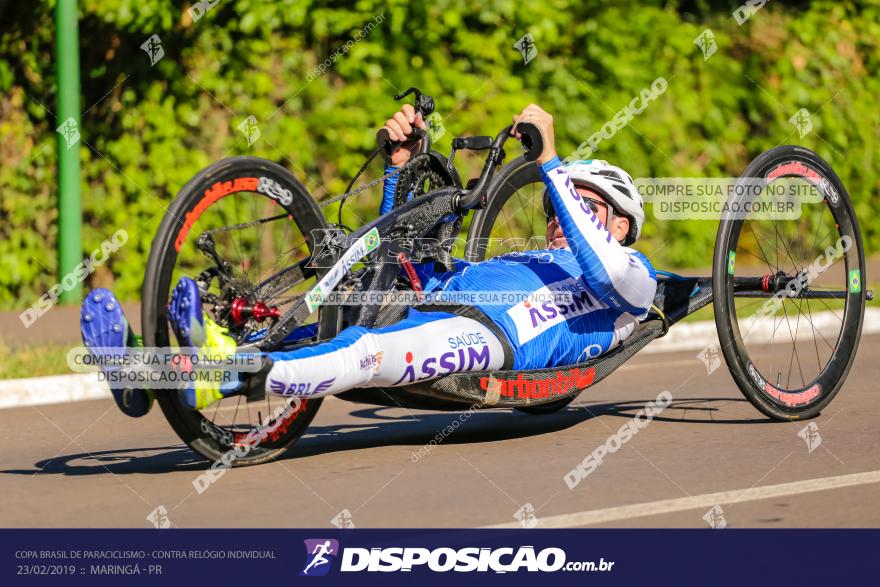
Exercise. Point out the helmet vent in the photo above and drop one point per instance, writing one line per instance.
(610, 173)
(623, 191)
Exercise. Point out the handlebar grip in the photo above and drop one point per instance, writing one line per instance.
(383, 140)
(532, 140)
(476, 143)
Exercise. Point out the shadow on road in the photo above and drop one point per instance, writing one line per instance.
(415, 429)
(160, 459)
(694, 411)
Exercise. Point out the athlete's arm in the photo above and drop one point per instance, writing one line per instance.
(620, 277)
(399, 128)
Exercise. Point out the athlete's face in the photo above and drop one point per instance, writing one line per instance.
(619, 224)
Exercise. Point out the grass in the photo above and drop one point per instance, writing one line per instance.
(33, 360)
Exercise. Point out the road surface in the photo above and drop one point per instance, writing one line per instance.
(86, 465)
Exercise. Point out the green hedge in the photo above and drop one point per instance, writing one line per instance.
(154, 127)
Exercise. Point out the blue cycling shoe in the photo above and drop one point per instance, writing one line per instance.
(103, 326)
(186, 315)
(195, 329)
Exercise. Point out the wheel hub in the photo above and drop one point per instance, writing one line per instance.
(241, 310)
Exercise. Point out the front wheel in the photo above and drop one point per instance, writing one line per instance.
(513, 219)
(787, 277)
(260, 221)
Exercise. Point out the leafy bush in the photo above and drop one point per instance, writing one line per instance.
(147, 130)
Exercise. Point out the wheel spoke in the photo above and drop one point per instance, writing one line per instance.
(815, 335)
(792, 247)
(793, 349)
(760, 248)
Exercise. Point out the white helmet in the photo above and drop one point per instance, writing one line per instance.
(616, 186)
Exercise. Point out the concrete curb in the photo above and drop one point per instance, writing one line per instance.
(690, 336)
(55, 389)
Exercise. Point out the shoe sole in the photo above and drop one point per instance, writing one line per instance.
(103, 325)
(184, 311)
(184, 314)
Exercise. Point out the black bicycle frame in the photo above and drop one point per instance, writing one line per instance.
(422, 217)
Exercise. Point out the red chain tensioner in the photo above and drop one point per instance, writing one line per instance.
(414, 280)
(241, 311)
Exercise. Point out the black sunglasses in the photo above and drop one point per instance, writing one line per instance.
(594, 205)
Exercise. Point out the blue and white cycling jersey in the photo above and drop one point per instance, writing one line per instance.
(611, 287)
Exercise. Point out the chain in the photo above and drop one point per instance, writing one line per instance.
(322, 204)
(244, 225)
(364, 187)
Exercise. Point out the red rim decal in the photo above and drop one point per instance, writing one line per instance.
(274, 431)
(795, 168)
(814, 177)
(212, 194)
(786, 398)
(794, 399)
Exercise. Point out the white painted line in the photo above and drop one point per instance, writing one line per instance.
(709, 500)
(56, 389)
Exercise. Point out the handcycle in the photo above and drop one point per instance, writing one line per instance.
(266, 260)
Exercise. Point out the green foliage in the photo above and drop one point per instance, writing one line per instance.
(149, 129)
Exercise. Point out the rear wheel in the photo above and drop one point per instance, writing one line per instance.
(259, 219)
(789, 300)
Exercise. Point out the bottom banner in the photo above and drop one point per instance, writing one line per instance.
(509, 557)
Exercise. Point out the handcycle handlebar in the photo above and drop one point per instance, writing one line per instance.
(425, 106)
(532, 141)
(383, 140)
(530, 135)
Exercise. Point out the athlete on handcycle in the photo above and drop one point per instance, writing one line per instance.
(594, 213)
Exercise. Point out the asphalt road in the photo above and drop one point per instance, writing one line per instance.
(85, 465)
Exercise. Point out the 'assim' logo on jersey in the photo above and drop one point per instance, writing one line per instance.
(462, 359)
(532, 316)
(299, 389)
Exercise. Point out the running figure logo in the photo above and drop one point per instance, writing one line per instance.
(320, 552)
(250, 129)
(70, 131)
(154, 50)
(802, 121)
(526, 46)
(706, 42)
